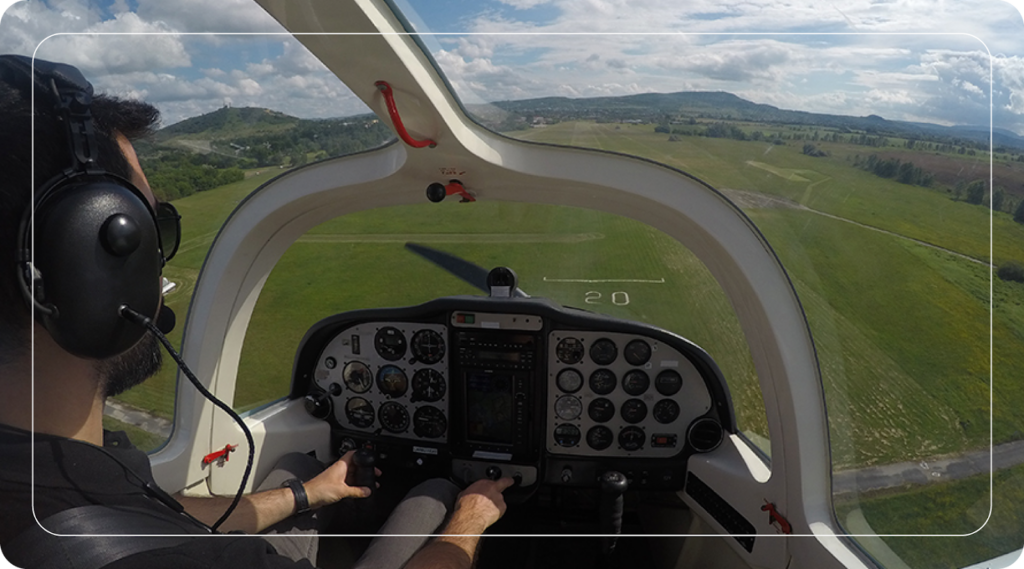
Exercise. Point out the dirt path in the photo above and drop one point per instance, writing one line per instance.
(755, 200)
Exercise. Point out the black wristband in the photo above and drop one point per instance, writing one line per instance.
(301, 500)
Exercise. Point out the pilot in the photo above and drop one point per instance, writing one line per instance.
(84, 479)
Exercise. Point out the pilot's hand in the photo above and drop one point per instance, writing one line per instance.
(333, 484)
(483, 500)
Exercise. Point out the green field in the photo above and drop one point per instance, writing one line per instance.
(958, 512)
(901, 328)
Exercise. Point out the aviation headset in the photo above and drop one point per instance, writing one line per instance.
(99, 245)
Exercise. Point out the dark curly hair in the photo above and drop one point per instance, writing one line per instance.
(111, 116)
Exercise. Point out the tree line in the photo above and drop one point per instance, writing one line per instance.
(174, 173)
(896, 169)
(291, 147)
(178, 174)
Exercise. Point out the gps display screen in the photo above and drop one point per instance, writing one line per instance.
(489, 407)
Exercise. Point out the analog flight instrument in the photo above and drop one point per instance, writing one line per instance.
(568, 407)
(357, 377)
(567, 435)
(603, 352)
(391, 380)
(603, 381)
(635, 382)
(390, 343)
(359, 412)
(428, 385)
(631, 439)
(665, 411)
(668, 382)
(569, 351)
(427, 346)
(601, 410)
(600, 437)
(634, 411)
(429, 422)
(637, 352)
(569, 380)
(394, 417)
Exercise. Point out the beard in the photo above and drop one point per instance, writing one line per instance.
(123, 372)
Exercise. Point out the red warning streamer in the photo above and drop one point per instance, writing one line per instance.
(774, 517)
(224, 453)
(389, 98)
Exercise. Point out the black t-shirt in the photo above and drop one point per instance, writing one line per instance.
(70, 473)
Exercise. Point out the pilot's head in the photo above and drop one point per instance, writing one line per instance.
(95, 236)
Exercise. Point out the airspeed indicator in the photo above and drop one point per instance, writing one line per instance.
(357, 377)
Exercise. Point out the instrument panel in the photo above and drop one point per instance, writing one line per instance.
(475, 386)
(389, 377)
(615, 394)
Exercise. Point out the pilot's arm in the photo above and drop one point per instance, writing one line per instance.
(260, 510)
(478, 507)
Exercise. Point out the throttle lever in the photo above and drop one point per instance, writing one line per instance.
(365, 472)
(613, 486)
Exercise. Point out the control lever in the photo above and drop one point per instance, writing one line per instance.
(613, 486)
(492, 472)
(365, 464)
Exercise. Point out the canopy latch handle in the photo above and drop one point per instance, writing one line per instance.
(389, 98)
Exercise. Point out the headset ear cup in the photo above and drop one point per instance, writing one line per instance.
(87, 281)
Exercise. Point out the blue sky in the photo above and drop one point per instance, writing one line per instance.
(920, 60)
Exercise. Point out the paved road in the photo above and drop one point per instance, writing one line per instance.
(138, 418)
(928, 471)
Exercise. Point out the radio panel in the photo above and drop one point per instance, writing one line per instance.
(496, 372)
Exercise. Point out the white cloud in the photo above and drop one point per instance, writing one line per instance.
(524, 4)
(944, 76)
(1016, 104)
(26, 24)
(122, 45)
(721, 63)
(209, 15)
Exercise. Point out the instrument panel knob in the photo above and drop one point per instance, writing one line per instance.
(567, 475)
